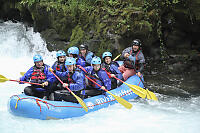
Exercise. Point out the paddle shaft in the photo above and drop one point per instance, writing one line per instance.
(60, 81)
(119, 99)
(25, 82)
(95, 82)
(117, 57)
(90, 78)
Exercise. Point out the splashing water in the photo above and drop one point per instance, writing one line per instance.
(17, 46)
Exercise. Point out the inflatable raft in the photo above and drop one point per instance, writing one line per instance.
(33, 107)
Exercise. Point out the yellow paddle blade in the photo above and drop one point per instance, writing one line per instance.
(137, 90)
(151, 95)
(123, 102)
(117, 57)
(3, 79)
(22, 73)
(80, 101)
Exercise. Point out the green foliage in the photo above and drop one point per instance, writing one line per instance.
(100, 16)
(77, 35)
(159, 7)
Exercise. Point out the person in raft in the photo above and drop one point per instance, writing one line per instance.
(96, 73)
(39, 73)
(85, 54)
(111, 67)
(59, 65)
(75, 82)
(133, 60)
(74, 52)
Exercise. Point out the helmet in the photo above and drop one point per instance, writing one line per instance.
(70, 61)
(96, 60)
(83, 46)
(136, 42)
(60, 53)
(105, 54)
(73, 50)
(37, 58)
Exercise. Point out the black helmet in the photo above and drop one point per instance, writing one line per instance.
(83, 46)
(136, 42)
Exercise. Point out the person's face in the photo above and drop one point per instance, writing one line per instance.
(39, 64)
(70, 68)
(135, 48)
(83, 52)
(70, 55)
(62, 58)
(107, 60)
(96, 66)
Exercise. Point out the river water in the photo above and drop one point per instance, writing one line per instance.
(17, 46)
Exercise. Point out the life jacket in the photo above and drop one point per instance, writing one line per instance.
(137, 61)
(130, 64)
(107, 67)
(59, 66)
(69, 78)
(38, 75)
(95, 77)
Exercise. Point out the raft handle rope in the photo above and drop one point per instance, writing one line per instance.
(37, 101)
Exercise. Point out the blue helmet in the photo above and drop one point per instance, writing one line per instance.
(70, 61)
(60, 53)
(105, 54)
(96, 60)
(73, 50)
(37, 58)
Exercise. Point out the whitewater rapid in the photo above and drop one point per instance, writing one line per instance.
(17, 46)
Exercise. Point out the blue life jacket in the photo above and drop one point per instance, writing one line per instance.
(113, 69)
(80, 61)
(76, 81)
(100, 77)
(88, 58)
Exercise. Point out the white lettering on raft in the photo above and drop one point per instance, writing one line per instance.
(109, 98)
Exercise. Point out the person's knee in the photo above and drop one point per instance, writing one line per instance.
(28, 91)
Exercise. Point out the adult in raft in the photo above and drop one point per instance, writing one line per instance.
(96, 73)
(59, 65)
(75, 82)
(85, 54)
(74, 52)
(39, 73)
(134, 60)
(111, 67)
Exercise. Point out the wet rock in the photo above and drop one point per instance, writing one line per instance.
(12, 14)
(54, 42)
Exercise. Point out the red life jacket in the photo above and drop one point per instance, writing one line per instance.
(59, 66)
(94, 77)
(38, 75)
(129, 64)
(137, 60)
(69, 78)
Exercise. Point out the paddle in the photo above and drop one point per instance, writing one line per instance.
(77, 98)
(117, 57)
(119, 99)
(4, 79)
(150, 95)
(136, 89)
(22, 73)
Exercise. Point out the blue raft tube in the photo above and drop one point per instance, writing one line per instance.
(33, 107)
